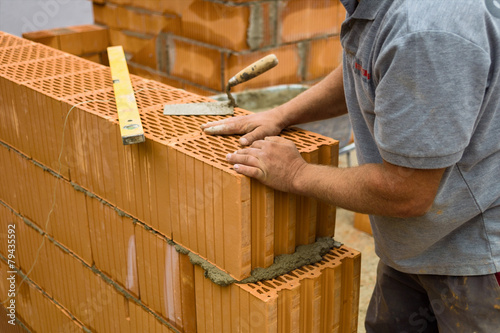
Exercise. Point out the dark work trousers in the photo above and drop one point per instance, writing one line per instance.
(433, 303)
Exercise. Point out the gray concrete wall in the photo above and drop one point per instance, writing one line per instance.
(20, 16)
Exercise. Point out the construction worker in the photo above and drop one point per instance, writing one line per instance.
(421, 82)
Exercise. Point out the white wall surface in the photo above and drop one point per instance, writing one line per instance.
(20, 16)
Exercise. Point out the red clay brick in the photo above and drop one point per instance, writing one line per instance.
(94, 38)
(45, 37)
(217, 24)
(120, 2)
(147, 56)
(287, 70)
(199, 90)
(132, 43)
(138, 20)
(106, 15)
(196, 63)
(176, 7)
(96, 57)
(71, 42)
(324, 56)
(303, 19)
(153, 75)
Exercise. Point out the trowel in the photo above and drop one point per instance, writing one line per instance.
(227, 107)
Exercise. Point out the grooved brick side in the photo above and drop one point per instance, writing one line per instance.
(29, 190)
(309, 299)
(133, 178)
(96, 304)
(33, 308)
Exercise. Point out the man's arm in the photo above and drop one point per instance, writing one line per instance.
(378, 189)
(324, 100)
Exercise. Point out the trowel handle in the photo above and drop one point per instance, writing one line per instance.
(255, 69)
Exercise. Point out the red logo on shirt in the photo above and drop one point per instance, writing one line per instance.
(363, 72)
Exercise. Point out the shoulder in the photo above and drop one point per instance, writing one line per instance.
(472, 21)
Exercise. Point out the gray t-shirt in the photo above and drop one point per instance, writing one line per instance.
(422, 83)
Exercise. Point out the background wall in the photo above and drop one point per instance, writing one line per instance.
(20, 16)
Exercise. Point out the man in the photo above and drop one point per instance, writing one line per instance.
(421, 81)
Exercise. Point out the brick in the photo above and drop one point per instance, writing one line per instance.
(120, 2)
(195, 63)
(96, 57)
(314, 298)
(71, 42)
(153, 75)
(94, 38)
(147, 56)
(33, 307)
(95, 305)
(146, 22)
(300, 20)
(106, 15)
(362, 222)
(217, 24)
(64, 219)
(168, 286)
(175, 7)
(45, 37)
(287, 70)
(132, 43)
(199, 90)
(323, 57)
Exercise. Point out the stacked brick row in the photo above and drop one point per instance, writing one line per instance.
(116, 208)
(199, 44)
(88, 41)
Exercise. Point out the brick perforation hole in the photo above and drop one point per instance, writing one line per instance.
(12, 41)
(165, 129)
(212, 149)
(45, 68)
(304, 140)
(28, 52)
(150, 93)
(293, 277)
(74, 84)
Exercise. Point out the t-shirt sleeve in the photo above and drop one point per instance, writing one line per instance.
(429, 91)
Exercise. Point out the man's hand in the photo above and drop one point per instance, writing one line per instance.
(273, 161)
(255, 126)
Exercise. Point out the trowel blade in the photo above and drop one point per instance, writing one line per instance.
(192, 109)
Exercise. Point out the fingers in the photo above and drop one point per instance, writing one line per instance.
(257, 134)
(234, 125)
(244, 156)
(249, 171)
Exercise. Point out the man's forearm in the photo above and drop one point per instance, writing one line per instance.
(324, 100)
(377, 189)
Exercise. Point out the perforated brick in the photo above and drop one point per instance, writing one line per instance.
(26, 52)
(7, 40)
(45, 68)
(322, 297)
(73, 84)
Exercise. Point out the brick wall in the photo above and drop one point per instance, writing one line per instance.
(87, 41)
(199, 44)
(96, 221)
